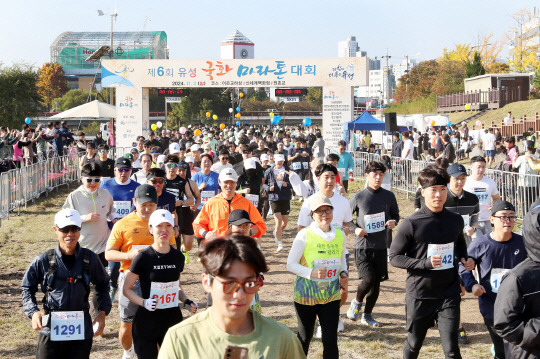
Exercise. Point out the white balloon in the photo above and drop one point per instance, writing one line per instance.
(159, 124)
(230, 110)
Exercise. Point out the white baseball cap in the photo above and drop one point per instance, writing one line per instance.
(250, 164)
(161, 159)
(195, 147)
(67, 217)
(189, 159)
(174, 148)
(160, 216)
(228, 174)
(278, 158)
(264, 157)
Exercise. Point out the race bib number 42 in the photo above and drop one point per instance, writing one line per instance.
(496, 277)
(332, 266)
(122, 208)
(374, 222)
(166, 294)
(447, 254)
(67, 326)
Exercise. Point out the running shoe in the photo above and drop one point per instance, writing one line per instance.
(318, 333)
(129, 354)
(279, 247)
(367, 319)
(112, 293)
(354, 310)
(340, 326)
(493, 350)
(186, 254)
(462, 336)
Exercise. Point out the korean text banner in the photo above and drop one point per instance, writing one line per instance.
(235, 73)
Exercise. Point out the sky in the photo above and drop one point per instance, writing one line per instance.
(420, 29)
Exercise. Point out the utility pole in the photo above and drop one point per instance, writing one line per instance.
(388, 92)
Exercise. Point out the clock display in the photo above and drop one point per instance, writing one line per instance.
(172, 92)
(290, 92)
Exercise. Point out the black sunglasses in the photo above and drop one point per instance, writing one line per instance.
(68, 229)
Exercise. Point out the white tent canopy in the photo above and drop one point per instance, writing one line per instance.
(94, 109)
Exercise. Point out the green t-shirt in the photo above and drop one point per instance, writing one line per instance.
(199, 337)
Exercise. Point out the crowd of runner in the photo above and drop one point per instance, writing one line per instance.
(126, 235)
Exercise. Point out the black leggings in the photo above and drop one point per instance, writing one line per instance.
(370, 289)
(328, 318)
(345, 184)
(496, 339)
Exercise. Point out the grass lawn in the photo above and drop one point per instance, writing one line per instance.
(24, 237)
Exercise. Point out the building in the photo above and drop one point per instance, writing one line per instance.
(237, 46)
(71, 49)
(348, 48)
(403, 68)
(496, 81)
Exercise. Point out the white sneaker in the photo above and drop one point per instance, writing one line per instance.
(279, 247)
(340, 326)
(129, 354)
(318, 333)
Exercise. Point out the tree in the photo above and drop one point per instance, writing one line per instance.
(524, 49)
(18, 94)
(474, 67)
(314, 95)
(498, 68)
(51, 83)
(72, 98)
(485, 46)
(261, 94)
(193, 108)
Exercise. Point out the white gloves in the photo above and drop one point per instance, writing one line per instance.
(150, 304)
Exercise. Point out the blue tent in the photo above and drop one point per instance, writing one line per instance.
(362, 123)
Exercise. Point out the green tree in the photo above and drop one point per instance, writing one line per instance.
(51, 83)
(70, 99)
(193, 108)
(314, 95)
(475, 67)
(18, 94)
(261, 94)
(91, 129)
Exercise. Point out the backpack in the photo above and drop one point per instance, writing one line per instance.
(51, 277)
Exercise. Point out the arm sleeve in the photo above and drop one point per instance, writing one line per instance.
(293, 260)
(394, 209)
(100, 278)
(401, 244)
(298, 186)
(353, 206)
(201, 221)
(474, 216)
(509, 321)
(30, 283)
(418, 199)
(304, 218)
(467, 276)
(116, 238)
(461, 245)
(111, 215)
(256, 218)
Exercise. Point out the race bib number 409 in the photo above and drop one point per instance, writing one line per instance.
(447, 254)
(67, 326)
(122, 208)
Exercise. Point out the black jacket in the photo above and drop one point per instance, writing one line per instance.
(517, 307)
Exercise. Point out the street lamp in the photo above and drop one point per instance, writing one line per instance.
(111, 51)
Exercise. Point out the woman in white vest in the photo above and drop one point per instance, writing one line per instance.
(317, 257)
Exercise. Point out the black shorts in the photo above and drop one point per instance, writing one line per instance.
(283, 207)
(185, 220)
(372, 262)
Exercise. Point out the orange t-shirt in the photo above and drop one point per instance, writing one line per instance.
(129, 231)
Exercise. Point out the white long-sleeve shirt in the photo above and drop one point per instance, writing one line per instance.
(299, 245)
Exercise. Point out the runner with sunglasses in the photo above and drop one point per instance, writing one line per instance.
(66, 293)
(157, 268)
(317, 257)
(106, 163)
(231, 274)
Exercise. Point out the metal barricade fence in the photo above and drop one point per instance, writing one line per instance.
(519, 189)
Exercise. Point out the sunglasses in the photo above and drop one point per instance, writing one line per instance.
(171, 165)
(323, 211)
(123, 170)
(103, 151)
(183, 166)
(157, 180)
(92, 180)
(68, 229)
(250, 287)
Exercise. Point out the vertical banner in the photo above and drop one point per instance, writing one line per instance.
(132, 115)
(337, 109)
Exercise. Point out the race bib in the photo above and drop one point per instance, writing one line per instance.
(166, 294)
(374, 222)
(67, 326)
(122, 208)
(140, 246)
(297, 166)
(341, 171)
(332, 266)
(466, 219)
(206, 195)
(306, 165)
(253, 198)
(495, 278)
(483, 197)
(447, 254)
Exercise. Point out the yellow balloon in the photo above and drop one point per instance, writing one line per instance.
(197, 132)
(239, 115)
(271, 114)
(222, 126)
(153, 127)
(214, 117)
(241, 94)
(433, 123)
(467, 106)
(208, 114)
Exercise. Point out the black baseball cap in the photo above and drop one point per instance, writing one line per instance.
(456, 170)
(502, 206)
(122, 162)
(91, 145)
(146, 193)
(238, 217)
